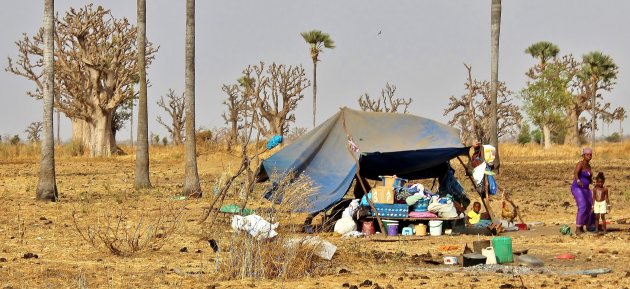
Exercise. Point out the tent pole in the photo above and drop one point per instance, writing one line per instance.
(359, 179)
(483, 199)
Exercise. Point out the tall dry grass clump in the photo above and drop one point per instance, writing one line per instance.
(115, 232)
(510, 152)
(283, 257)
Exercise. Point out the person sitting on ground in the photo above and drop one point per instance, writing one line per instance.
(601, 205)
(474, 217)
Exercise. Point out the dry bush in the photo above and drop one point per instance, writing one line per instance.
(19, 151)
(113, 231)
(283, 257)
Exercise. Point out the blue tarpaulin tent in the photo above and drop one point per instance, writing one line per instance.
(405, 145)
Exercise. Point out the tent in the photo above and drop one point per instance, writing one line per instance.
(405, 145)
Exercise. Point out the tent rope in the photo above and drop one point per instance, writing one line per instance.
(359, 179)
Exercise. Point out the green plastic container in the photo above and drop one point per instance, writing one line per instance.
(502, 249)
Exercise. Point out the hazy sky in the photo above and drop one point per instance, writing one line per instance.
(421, 49)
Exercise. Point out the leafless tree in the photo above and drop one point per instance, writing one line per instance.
(236, 103)
(95, 71)
(275, 93)
(472, 112)
(386, 103)
(174, 106)
(33, 131)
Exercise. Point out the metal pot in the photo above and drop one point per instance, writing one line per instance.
(472, 259)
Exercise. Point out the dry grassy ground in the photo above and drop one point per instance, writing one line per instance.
(94, 188)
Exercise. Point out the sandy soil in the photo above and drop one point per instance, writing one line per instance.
(92, 187)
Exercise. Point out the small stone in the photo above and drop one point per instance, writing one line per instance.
(401, 278)
(345, 285)
(383, 275)
(376, 286)
(344, 271)
(615, 252)
(389, 286)
(43, 218)
(627, 274)
(3, 259)
(198, 251)
(354, 287)
(424, 277)
(474, 280)
(30, 255)
(366, 283)
(184, 250)
(506, 286)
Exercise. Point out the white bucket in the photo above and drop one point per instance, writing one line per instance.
(435, 228)
(489, 253)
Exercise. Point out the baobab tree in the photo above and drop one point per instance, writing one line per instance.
(274, 93)
(471, 111)
(33, 132)
(174, 106)
(237, 104)
(386, 103)
(95, 71)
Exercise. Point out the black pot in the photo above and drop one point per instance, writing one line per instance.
(473, 259)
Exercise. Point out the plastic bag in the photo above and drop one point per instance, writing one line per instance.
(447, 210)
(255, 225)
(345, 225)
(492, 185)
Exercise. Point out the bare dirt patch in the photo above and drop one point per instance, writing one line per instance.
(40, 246)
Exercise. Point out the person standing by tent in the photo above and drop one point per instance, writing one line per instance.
(582, 178)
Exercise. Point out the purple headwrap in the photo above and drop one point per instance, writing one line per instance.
(587, 151)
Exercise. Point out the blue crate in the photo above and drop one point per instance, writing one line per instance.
(392, 210)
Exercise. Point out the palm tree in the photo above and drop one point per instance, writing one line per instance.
(142, 149)
(620, 115)
(597, 69)
(46, 185)
(495, 26)
(318, 41)
(543, 50)
(191, 176)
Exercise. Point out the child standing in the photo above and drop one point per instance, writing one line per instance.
(601, 205)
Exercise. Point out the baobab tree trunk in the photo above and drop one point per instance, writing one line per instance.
(572, 137)
(547, 136)
(102, 142)
(47, 185)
